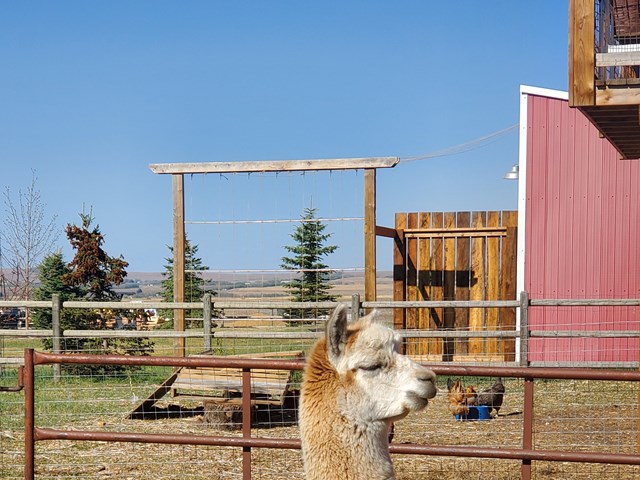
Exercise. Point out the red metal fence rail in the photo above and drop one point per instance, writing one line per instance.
(247, 441)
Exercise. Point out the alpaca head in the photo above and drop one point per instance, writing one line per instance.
(355, 384)
(378, 382)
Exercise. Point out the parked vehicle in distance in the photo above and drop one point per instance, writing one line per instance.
(12, 318)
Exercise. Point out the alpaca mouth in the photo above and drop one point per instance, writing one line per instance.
(419, 401)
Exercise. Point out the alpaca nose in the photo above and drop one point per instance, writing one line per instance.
(427, 376)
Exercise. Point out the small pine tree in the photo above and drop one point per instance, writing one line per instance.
(51, 271)
(194, 284)
(312, 285)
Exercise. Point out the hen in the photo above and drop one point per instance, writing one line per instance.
(492, 397)
(460, 397)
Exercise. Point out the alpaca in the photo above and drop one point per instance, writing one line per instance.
(356, 384)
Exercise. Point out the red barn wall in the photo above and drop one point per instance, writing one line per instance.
(582, 232)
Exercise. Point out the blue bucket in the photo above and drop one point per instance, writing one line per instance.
(475, 413)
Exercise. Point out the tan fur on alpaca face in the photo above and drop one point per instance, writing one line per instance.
(356, 383)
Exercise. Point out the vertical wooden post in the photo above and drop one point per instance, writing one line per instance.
(581, 53)
(370, 234)
(206, 320)
(178, 260)
(355, 307)
(524, 329)
(56, 305)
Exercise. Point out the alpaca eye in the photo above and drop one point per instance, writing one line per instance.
(371, 368)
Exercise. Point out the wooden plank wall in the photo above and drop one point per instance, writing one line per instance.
(456, 256)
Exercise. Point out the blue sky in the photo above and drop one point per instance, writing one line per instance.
(94, 92)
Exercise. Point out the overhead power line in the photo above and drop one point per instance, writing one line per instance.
(463, 147)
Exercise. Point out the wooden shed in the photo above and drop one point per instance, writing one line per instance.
(579, 231)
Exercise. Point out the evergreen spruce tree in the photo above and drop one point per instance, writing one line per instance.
(93, 274)
(92, 269)
(51, 271)
(312, 284)
(194, 285)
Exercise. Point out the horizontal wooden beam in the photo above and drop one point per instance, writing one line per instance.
(275, 166)
(617, 59)
(617, 96)
(385, 232)
(455, 232)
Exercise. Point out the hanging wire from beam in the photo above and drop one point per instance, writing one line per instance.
(463, 147)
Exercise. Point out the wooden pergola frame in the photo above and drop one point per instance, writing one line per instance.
(178, 170)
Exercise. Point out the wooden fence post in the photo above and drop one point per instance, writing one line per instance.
(179, 344)
(355, 307)
(206, 320)
(524, 329)
(56, 308)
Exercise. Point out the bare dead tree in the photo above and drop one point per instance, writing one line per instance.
(26, 237)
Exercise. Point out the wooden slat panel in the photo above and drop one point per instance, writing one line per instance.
(399, 270)
(508, 282)
(445, 234)
(412, 280)
(215, 380)
(436, 275)
(477, 290)
(463, 275)
(493, 282)
(463, 262)
(215, 373)
(424, 285)
(448, 284)
(230, 384)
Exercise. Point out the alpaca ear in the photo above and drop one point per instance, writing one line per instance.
(373, 317)
(337, 332)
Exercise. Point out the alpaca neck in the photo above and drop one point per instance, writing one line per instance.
(348, 451)
(335, 444)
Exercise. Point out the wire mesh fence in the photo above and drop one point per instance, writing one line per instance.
(594, 416)
(587, 417)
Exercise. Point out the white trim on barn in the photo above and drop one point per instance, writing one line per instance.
(525, 91)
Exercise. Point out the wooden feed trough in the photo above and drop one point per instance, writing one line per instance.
(268, 387)
(217, 385)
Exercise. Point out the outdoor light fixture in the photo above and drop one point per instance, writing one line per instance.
(513, 173)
